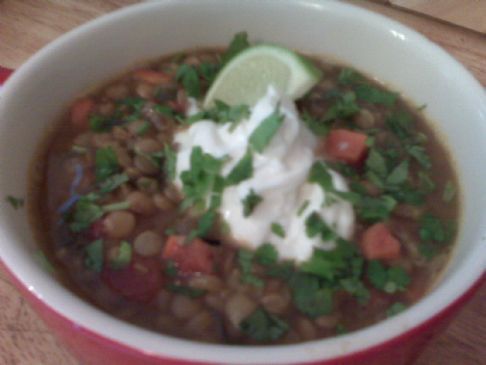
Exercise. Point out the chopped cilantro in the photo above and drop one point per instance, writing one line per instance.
(389, 280)
(143, 128)
(113, 207)
(94, 256)
(224, 113)
(278, 230)
(263, 134)
(263, 326)
(420, 155)
(395, 308)
(399, 174)
(283, 271)
(303, 207)
(449, 192)
(204, 225)
(85, 212)
(250, 202)
(321, 176)
(355, 287)
(123, 257)
(373, 209)
(374, 95)
(317, 126)
(309, 297)
(243, 170)
(170, 162)
(186, 290)
(349, 76)
(14, 201)
(376, 164)
(44, 262)
(425, 182)
(427, 250)
(245, 261)
(164, 110)
(315, 225)
(106, 163)
(188, 76)
(238, 44)
(99, 124)
(266, 254)
(432, 229)
(343, 108)
(208, 71)
(113, 182)
(171, 269)
(400, 123)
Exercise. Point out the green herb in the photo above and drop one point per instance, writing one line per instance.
(309, 297)
(395, 308)
(164, 110)
(432, 229)
(99, 124)
(15, 202)
(355, 287)
(315, 225)
(94, 256)
(44, 262)
(283, 271)
(348, 76)
(170, 162)
(320, 175)
(390, 280)
(224, 113)
(143, 128)
(186, 290)
(250, 202)
(199, 181)
(449, 192)
(317, 126)
(341, 329)
(266, 254)
(398, 175)
(376, 165)
(204, 225)
(113, 182)
(375, 95)
(373, 209)
(113, 207)
(208, 71)
(427, 250)
(171, 269)
(400, 123)
(243, 170)
(123, 257)
(85, 212)
(303, 207)
(245, 261)
(106, 163)
(420, 155)
(263, 326)
(343, 108)
(425, 182)
(188, 76)
(278, 230)
(263, 134)
(238, 44)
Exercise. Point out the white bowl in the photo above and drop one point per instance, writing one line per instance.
(392, 53)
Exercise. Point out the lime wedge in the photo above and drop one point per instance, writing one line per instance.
(245, 79)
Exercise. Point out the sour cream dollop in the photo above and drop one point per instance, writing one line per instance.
(280, 178)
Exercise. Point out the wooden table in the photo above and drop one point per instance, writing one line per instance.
(27, 25)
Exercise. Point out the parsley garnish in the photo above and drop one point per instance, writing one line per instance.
(343, 108)
(85, 212)
(241, 171)
(238, 44)
(170, 162)
(389, 280)
(398, 175)
(44, 262)
(432, 229)
(309, 297)
(420, 155)
(94, 256)
(245, 261)
(204, 225)
(400, 123)
(374, 95)
(395, 308)
(208, 71)
(315, 225)
(250, 202)
(266, 254)
(317, 126)
(186, 290)
(278, 230)
(188, 76)
(106, 163)
(263, 326)
(15, 202)
(263, 134)
(123, 257)
(303, 207)
(113, 182)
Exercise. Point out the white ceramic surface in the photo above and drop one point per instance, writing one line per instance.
(392, 53)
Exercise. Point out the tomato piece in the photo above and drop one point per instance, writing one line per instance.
(80, 112)
(139, 281)
(192, 257)
(346, 146)
(377, 243)
(151, 76)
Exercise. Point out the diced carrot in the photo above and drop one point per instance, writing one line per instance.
(345, 146)
(140, 281)
(191, 257)
(377, 243)
(80, 112)
(152, 77)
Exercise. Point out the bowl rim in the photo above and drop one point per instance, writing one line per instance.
(69, 306)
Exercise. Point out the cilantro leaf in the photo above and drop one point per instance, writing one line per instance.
(99, 124)
(356, 288)
(395, 308)
(420, 155)
(186, 290)
(309, 297)
(283, 271)
(94, 256)
(123, 256)
(224, 113)
(376, 164)
(204, 225)
(238, 44)
(208, 71)
(263, 134)
(85, 212)
(432, 229)
(349, 76)
(343, 108)
(320, 175)
(374, 95)
(188, 76)
(315, 225)
(106, 163)
(170, 162)
(400, 123)
(250, 202)
(389, 280)
(243, 170)
(14, 201)
(266, 254)
(317, 126)
(245, 261)
(113, 182)
(373, 209)
(278, 230)
(449, 192)
(399, 174)
(263, 326)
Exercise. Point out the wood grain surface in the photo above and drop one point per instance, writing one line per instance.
(27, 25)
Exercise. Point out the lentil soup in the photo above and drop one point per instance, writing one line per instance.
(125, 236)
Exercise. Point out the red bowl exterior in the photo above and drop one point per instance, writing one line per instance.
(93, 349)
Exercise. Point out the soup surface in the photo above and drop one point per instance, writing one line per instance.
(117, 219)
